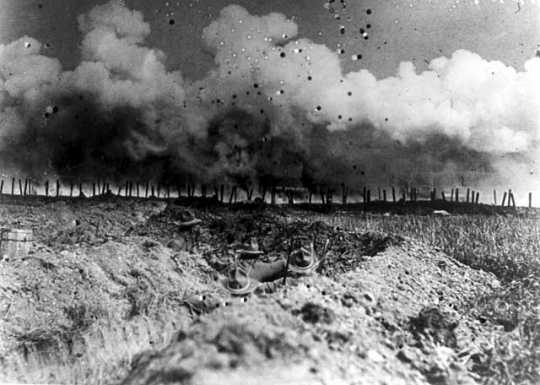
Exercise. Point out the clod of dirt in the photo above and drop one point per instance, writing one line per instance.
(432, 323)
(314, 313)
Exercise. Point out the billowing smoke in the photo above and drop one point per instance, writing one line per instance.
(275, 109)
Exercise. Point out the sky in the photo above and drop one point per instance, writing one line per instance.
(416, 31)
(423, 93)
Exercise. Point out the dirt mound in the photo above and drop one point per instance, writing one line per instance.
(380, 309)
(50, 298)
(332, 329)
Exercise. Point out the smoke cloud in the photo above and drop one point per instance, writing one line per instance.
(275, 109)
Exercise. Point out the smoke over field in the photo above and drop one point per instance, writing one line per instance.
(276, 108)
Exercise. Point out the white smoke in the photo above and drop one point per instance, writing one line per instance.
(264, 68)
(491, 107)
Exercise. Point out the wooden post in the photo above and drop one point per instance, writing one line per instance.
(379, 190)
(477, 197)
(504, 199)
(152, 191)
(222, 192)
(94, 189)
(494, 197)
(104, 188)
(119, 190)
(249, 193)
(57, 188)
(394, 194)
(443, 196)
(468, 192)
(452, 195)
(457, 195)
(329, 196)
(511, 201)
(2, 187)
(290, 197)
(12, 186)
(384, 195)
(25, 187)
(231, 196)
(203, 191)
(369, 196)
(20, 188)
(273, 196)
(364, 199)
(168, 192)
(530, 196)
(323, 195)
(81, 193)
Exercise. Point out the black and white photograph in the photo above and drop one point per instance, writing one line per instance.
(270, 192)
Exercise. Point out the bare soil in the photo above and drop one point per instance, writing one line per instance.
(381, 309)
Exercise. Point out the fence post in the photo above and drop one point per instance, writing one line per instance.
(530, 198)
(504, 199)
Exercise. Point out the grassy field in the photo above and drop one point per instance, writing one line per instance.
(508, 246)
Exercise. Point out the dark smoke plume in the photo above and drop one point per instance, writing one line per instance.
(274, 111)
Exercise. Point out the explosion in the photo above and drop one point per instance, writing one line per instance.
(276, 109)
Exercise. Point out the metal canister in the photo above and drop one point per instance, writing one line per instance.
(15, 243)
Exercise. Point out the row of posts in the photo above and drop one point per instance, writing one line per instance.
(148, 190)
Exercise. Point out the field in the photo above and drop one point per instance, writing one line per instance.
(114, 292)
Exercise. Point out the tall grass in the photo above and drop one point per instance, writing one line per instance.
(509, 247)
